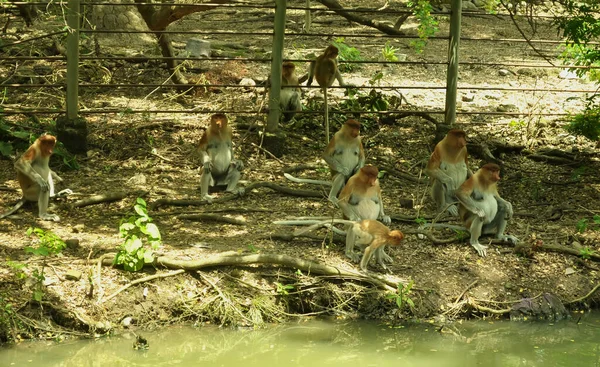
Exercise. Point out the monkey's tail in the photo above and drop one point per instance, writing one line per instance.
(17, 206)
(326, 115)
(306, 180)
(444, 225)
(326, 223)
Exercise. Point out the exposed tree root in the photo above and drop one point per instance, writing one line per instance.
(336, 7)
(310, 267)
(142, 280)
(212, 218)
(106, 198)
(252, 186)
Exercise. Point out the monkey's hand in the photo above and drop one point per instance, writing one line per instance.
(208, 199)
(478, 212)
(508, 238)
(56, 177)
(386, 219)
(237, 164)
(481, 249)
(63, 193)
(453, 210)
(43, 184)
(207, 167)
(509, 210)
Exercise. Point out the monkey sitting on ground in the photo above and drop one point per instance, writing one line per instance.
(481, 208)
(448, 169)
(218, 165)
(36, 178)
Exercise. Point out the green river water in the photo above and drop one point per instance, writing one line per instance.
(321, 343)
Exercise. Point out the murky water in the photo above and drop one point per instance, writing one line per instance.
(317, 343)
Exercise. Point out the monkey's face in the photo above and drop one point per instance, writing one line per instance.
(47, 143)
(331, 52)
(396, 237)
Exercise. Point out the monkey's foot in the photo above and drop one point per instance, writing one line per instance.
(453, 210)
(509, 238)
(208, 198)
(385, 258)
(481, 249)
(236, 191)
(52, 217)
(354, 257)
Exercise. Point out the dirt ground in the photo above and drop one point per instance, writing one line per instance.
(155, 153)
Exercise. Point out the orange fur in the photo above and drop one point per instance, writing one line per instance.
(364, 184)
(218, 129)
(349, 136)
(452, 149)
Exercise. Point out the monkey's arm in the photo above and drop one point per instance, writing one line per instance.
(384, 218)
(338, 76)
(506, 204)
(23, 165)
(55, 177)
(463, 194)
(311, 73)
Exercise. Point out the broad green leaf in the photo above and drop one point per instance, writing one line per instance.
(152, 231)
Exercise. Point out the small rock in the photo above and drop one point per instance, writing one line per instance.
(503, 72)
(247, 82)
(467, 5)
(72, 243)
(406, 203)
(468, 97)
(567, 74)
(78, 228)
(569, 271)
(73, 274)
(198, 47)
(127, 322)
(507, 108)
(137, 180)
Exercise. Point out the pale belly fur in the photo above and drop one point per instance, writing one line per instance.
(349, 158)
(221, 161)
(456, 171)
(367, 209)
(489, 205)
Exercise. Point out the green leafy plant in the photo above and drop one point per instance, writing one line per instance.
(141, 238)
(517, 124)
(283, 289)
(17, 268)
(402, 295)
(346, 53)
(389, 52)
(586, 252)
(48, 244)
(586, 123)
(421, 221)
(428, 25)
(583, 224)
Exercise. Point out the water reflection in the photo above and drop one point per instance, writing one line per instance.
(318, 343)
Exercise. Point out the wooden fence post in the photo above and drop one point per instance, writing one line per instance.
(452, 76)
(70, 128)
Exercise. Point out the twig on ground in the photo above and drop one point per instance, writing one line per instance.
(581, 299)
(465, 291)
(212, 218)
(252, 186)
(106, 198)
(268, 153)
(141, 280)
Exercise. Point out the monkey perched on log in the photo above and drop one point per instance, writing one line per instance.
(36, 178)
(325, 70)
(218, 165)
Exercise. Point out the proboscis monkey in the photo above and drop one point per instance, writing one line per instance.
(325, 70)
(289, 97)
(368, 234)
(218, 165)
(36, 178)
(344, 154)
(361, 199)
(481, 208)
(448, 169)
